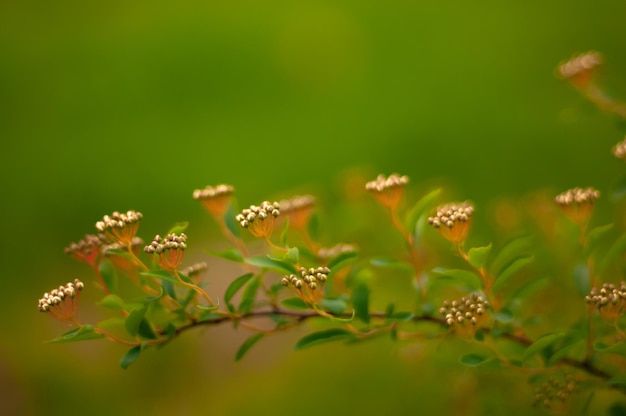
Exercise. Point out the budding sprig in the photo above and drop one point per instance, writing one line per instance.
(62, 302)
(453, 221)
(464, 315)
(260, 220)
(168, 253)
(610, 300)
(554, 393)
(121, 228)
(310, 284)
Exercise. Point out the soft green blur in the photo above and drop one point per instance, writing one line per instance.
(123, 105)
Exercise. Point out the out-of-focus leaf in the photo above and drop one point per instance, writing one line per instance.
(245, 347)
(391, 263)
(249, 294)
(316, 338)
(617, 249)
(313, 227)
(419, 208)
(156, 297)
(235, 285)
(232, 254)
(528, 287)
(84, 333)
(335, 306)
(107, 271)
(113, 302)
(133, 320)
(163, 275)
(341, 260)
(580, 274)
(504, 316)
(617, 381)
(478, 256)
(595, 237)
(464, 277)
(179, 227)
(618, 348)
(563, 351)
(619, 188)
(292, 256)
(360, 301)
(472, 360)
(283, 233)
(229, 219)
(510, 270)
(294, 303)
(541, 344)
(145, 330)
(130, 356)
(400, 316)
(272, 264)
(516, 248)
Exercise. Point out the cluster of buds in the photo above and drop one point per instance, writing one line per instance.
(88, 250)
(610, 300)
(298, 209)
(259, 220)
(168, 252)
(619, 150)
(465, 314)
(120, 227)
(327, 253)
(388, 191)
(577, 204)
(195, 269)
(453, 221)
(214, 199)
(312, 278)
(555, 389)
(580, 69)
(62, 302)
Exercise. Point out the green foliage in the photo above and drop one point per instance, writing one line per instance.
(478, 256)
(84, 333)
(234, 287)
(329, 335)
(249, 343)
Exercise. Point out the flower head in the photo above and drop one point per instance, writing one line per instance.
(298, 209)
(619, 150)
(578, 203)
(610, 300)
(259, 220)
(453, 221)
(62, 302)
(553, 394)
(464, 315)
(311, 278)
(214, 199)
(120, 227)
(388, 191)
(168, 252)
(87, 250)
(580, 69)
(195, 269)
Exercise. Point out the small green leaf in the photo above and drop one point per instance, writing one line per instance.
(617, 249)
(516, 248)
(618, 381)
(595, 237)
(334, 334)
(419, 208)
(541, 344)
(249, 295)
(133, 320)
(107, 271)
(360, 301)
(245, 347)
(563, 351)
(229, 219)
(283, 233)
(504, 316)
(113, 302)
(400, 316)
(343, 320)
(145, 330)
(342, 260)
(156, 297)
(472, 360)
(232, 254)
(130, 356)
(528, 287)
(388, 262)
(618, 348)
(266, 262)
(178, 228)
(235, 285)
(294, 303)
(84, 333)
(510, 270)
(335, 306)
(478, 256)
(464, 277)
(292, 256)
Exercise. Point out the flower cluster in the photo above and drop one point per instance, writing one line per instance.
(465, 314)
(62, 302)
(168, 252)
(619, 150)
(195, 269)
(388, 191)
(555, 389)
(298, 209)
(331, 252)
(577, 203)
(214, 199)
(453, 221)
(579, 70)
(120, 227)
(312, 277)
(87, 250)
(610, 300)
(259, 220)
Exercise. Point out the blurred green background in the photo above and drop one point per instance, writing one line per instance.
(132, 105)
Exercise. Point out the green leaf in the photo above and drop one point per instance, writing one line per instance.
(563, 351)
(113, 302)
(343, 320)
(528, 287)
(235, 285)
(400, 316)
(388, 262)
(516, 248)
(419, 208)
(229, 219)
(617, 249)
(111, 323)
(478, 256)
(294, 303)
(163, 275)
(266, 262)
(541, 344)
(133, 320)
(504, 316)
(472, 360)
(342, 260)
(510, 270)
(618, 381)
(316, 338)
(249, 295)
(245, 347)
(580, 274)
(107, 271)
(595, 237)
(283, 233)
(292, 256)
(145, 330)
(360, 301)
(232, 254)
(464, 277)
(130, 356)
(335, 306)
(156, 297)
(178, 228)
(84, 333)
(618, 348)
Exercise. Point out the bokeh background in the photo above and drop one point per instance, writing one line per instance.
(132, 105)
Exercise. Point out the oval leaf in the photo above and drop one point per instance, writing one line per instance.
(472, 360)
(335, 334)
(84, 333)
(478, 256)
(235, 285)
(130, 357)
(133, 320)
(249, 295)
(107, 271)
(245, 347)
(232, 254)
(360, 301)
(294, 303)
(541, 344)
(465, 277)
(595, 237)
(420, 208)
(517, 247)
(113, 302)
(510, 270)
(178, 228)
(342, 260)
(266, 262)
